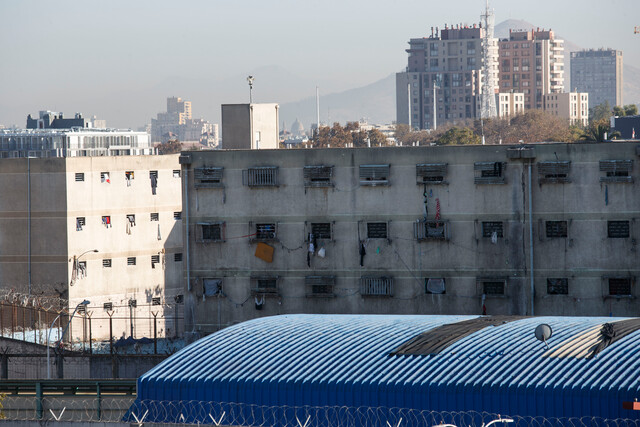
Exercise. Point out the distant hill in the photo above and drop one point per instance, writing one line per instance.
(375, 102)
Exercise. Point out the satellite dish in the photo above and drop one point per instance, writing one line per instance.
(543, 332)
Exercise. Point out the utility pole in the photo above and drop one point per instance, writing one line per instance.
(409, 103)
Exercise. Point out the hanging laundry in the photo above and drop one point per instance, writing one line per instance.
(264, 252)
(494, 237)
(321, 252)
(259, 302)
(159, 236)
(437, 212)
(154, 184)
(363, 252)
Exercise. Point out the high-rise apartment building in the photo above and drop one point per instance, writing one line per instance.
(178, 123)
(532, 62)
(599, 73)
(448, 64)
(510, 104)
(180, 108)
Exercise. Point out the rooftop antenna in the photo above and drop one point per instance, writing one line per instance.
(317, 109)
(250, 79)
(489, 54)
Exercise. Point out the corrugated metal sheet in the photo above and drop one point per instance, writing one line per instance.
(344, 360)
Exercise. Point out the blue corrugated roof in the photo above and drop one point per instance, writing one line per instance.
(344, 360)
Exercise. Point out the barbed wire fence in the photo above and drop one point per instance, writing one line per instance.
(123, 408)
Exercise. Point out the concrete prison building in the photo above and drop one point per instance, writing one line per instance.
(106, 229)
(406, 230)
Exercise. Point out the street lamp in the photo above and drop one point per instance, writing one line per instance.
(250, 79)
(85, 303)
(499, 420)
(76, 260)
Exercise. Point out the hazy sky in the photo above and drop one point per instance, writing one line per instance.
(112, 58)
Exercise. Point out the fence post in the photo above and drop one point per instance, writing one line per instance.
(90, 335)
(4, 365)
(24, 322)
(39, 411)
(1, 319)
(155, 332)
(110, 313)
(32, 321)
(60, 364)
(98, 401)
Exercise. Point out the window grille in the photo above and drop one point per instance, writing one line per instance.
(133, 303)
(266, 176)
(212, 287)
(616, 171)
(129, 175)
(490, 172)
(431, 230)
(106, 221)
(373, 175)
(491, 227)
(177, 257)
(207, 177)
(156, 301)
(106, 262)
(132, 220)
(176, 173)
(321, 230)
(264, 286)
(492, 285)
(377, 230)
(619, 286)
(558, 286)
(177, 216)
(155, 259)
(556, 229)
(320, 286)
(153, 174)
(82, 309)
(431, 173)
(104, 177)
(154, 216)
(435, 286)
(210, 232)
(618, 229)
(318, 176)
(554, 172)
(179, 299)
(107, 306)
(80, 222)
(376, 286)
(265, 232)
(131, 260)
(80, 177)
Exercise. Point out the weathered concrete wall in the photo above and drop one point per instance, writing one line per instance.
(585, 257)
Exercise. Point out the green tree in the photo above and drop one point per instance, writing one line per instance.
(631, 110)
(457, 136)
(599, 112)
(618, 110)
(599, 131)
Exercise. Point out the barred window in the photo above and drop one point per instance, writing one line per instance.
(212, 287)
(179, 299)
(133, 303)
(154, 216)
(554, 172)
(491, 286)
(321, 230)
(264, 285)
(131, 260)
(377, 230)
(177, 216)
(489, 172)
(616, 171)
(107, 306)
(208, 177)
(266, 176)
(491, 227)
(210, 232)
(155, 259)
(80, 223)
(431, 230)
(618, 229)
(318, 176)
(177, 257)
(372, 175)
(80, 177)
(376, 286)
(265, 231)
(556, 229)
(431, 173)
(559, 286)
(320, 286)
(176, 173)
(106, 262)
(156, 301)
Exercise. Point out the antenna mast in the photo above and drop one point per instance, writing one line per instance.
(489, 56)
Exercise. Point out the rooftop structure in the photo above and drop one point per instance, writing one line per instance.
(310, 365)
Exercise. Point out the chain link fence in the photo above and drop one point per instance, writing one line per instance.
(123, 408)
